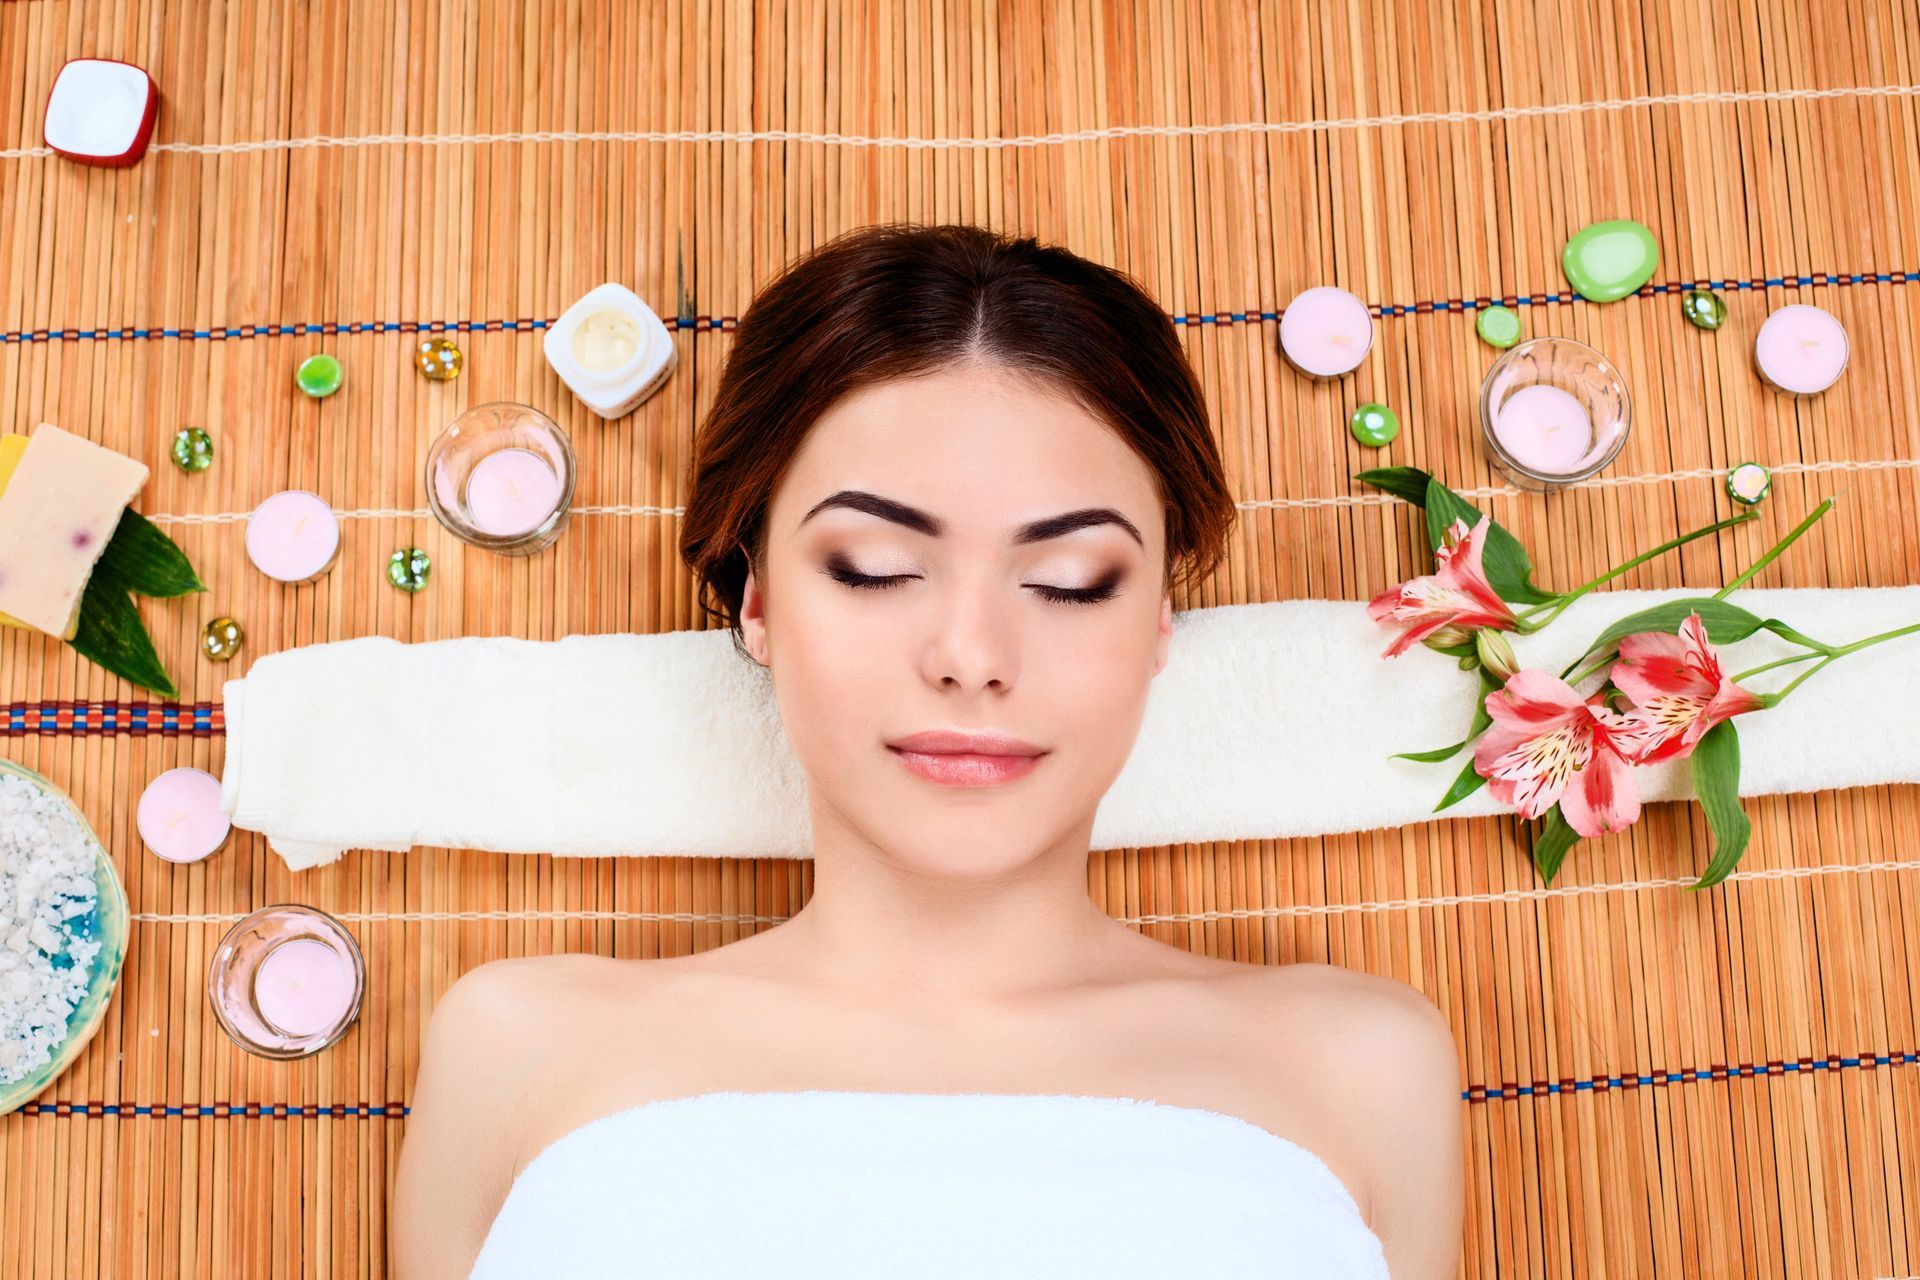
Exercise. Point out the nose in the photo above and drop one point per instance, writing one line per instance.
(975, 641)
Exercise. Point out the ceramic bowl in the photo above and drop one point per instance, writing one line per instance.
(106, 923)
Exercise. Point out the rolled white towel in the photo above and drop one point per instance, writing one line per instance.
(1269, 720)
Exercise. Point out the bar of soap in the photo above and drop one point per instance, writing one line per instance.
(12, 445)
(58, 510)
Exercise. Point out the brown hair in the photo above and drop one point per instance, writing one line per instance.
(896, 300)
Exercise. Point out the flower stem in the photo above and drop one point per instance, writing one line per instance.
(1773, 699)
(1778, 547)
(1829, 655)
(1554, 608)
(1873, 640)
(1778, 662)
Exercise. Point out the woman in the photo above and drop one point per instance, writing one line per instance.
(944, 493)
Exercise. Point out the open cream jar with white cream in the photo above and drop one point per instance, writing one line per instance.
(611, 350)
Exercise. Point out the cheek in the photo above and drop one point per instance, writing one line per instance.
(1095, 693)
(826, 684)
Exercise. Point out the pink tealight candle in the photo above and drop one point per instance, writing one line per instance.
(1326, 332)
(293, 536)
(179, 816)
(511, 491)
(1544, 429)
(304, 987)
(1801, 349)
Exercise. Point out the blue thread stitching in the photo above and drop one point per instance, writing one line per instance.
(709, 323)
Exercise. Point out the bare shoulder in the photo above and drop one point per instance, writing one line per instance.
(1391, 1067)
(492, 1043)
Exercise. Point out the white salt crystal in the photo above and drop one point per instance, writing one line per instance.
(46, 886)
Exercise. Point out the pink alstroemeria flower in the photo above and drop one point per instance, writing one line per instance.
(1456, 593)
(1678, 689)
(1547, 744)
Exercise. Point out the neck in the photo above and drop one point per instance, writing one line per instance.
(911, 931)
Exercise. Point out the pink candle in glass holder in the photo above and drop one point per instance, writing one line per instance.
(303, 986)
(1545, 429)
(293, 536)
(511, 491)
(286, 981)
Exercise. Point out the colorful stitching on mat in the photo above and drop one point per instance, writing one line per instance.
(223, 1110)
(709, 323)
(1473, 1093)
(197, 719)
(1655, 1079)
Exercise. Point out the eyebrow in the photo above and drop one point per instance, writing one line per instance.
(924, 522)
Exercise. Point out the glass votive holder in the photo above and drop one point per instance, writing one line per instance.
(500, 477)
(286, 981)
(1553, 411)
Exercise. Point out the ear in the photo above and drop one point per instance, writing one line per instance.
(753, 619)
(1165, 636)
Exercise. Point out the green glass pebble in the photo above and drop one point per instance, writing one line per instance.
(1609, 260)
(1748, 483)
(408, 568)
(318, 375)
(1497, 326)
(193, 450)
(1703, 308)
(1373, 424)
(221, 639)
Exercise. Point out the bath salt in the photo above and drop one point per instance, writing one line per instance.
(47, 888)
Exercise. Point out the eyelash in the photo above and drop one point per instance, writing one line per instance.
(1058, 595)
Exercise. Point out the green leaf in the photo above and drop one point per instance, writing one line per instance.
(1463, 786)
(1409, 483)
(112, 635)
(1716, 779)
(139, 557)
(1551, 845)
(1431, 757)
(1725, 623)
(1509, 571)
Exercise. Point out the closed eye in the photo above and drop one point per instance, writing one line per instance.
(843, 573)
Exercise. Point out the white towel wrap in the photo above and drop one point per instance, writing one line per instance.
(850, 1184)
(1269, 720)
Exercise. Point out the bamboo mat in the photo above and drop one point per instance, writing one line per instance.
(1661, 1083)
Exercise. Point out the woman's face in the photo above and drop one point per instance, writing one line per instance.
(964, 636)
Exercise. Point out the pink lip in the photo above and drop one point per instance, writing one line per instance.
(965, 769)
(954, 758)
(955, 741)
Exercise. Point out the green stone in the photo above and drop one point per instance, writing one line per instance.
(1374, 424)
(1748, 483)
(1497, 326)
(318, 375)
(221, 639)
(193, 450)
(1703, 308)
(408, 568)
(1609, 260)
